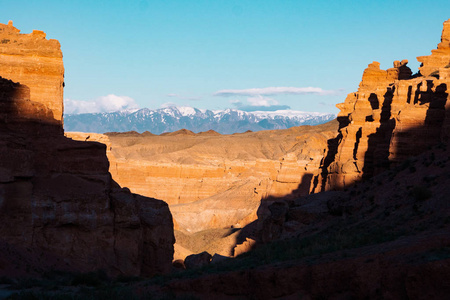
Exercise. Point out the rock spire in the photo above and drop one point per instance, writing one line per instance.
(392, 116)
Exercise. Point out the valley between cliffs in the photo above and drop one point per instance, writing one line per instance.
(215, 182)
(375, 224)
(353, 209)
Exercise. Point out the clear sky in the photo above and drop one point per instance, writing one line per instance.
(226, 54)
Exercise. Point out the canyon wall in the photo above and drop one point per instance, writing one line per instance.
(58, 202)
(392, 116)
(211, 180)
(34, 61)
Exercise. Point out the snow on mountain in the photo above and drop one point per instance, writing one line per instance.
(174, 118)
(186, 110)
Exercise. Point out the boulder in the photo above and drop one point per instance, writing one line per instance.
(197, 260)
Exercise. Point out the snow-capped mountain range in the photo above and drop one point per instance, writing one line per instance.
(173, 118)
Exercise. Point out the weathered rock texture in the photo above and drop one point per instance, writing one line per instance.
(34, 61)
(211, 180)
(57, 198)
(392, 116)
(439, 60)
(386, 236)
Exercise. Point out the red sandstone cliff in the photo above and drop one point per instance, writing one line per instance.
(213, 180)
(385, 237)
(57, 198)
(392, 116)
(34, 61)
(386, 234)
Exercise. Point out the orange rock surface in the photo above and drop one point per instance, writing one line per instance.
(215, 181)
(34, 61)
(440, 57)
(392, 116)
(58, 201)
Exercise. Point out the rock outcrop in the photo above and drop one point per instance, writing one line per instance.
(386, 234)
(212, 180)
(383, 237)
(34, 61)
(392, 116)
(58, 201)
(439, 60)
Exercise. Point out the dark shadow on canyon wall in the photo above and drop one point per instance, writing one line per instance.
(19, 114)
(332, 146)
(274, 212)
(60, 207)
(376, 158)
(276, 208)
(38, 165)
(436, 113)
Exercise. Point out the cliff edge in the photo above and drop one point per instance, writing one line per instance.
(393, 115)
(59, 206)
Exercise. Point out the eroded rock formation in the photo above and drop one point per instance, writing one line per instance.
(439, 60)
(392, 116)
(213, 180)
(57, 198)
(34, 61)
(387, 232)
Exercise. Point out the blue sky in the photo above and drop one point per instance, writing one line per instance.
(226, 54)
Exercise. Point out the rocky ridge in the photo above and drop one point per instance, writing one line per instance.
(211, 180)
(214, 182)
(173, 118)
(392, 116)
(59, 206)
(384, 235)
(34, 61)
(378, 225)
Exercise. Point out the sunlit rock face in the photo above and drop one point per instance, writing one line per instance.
(392, 116)
(58, 201)
(212, 180)
(34, 61)
(439, 60)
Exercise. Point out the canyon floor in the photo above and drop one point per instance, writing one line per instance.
(214, 183)
(353, 209)
(384, 238)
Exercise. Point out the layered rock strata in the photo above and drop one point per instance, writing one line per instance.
(392, 116)
(439, 60)
(212, 180)
(34, 61)
(57, 198)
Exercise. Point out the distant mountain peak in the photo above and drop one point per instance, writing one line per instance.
(174, 118)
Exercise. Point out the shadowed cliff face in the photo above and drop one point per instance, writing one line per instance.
(386, 234)
(391, 150)
(59, 207)
(212, 180)
(214, 183)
